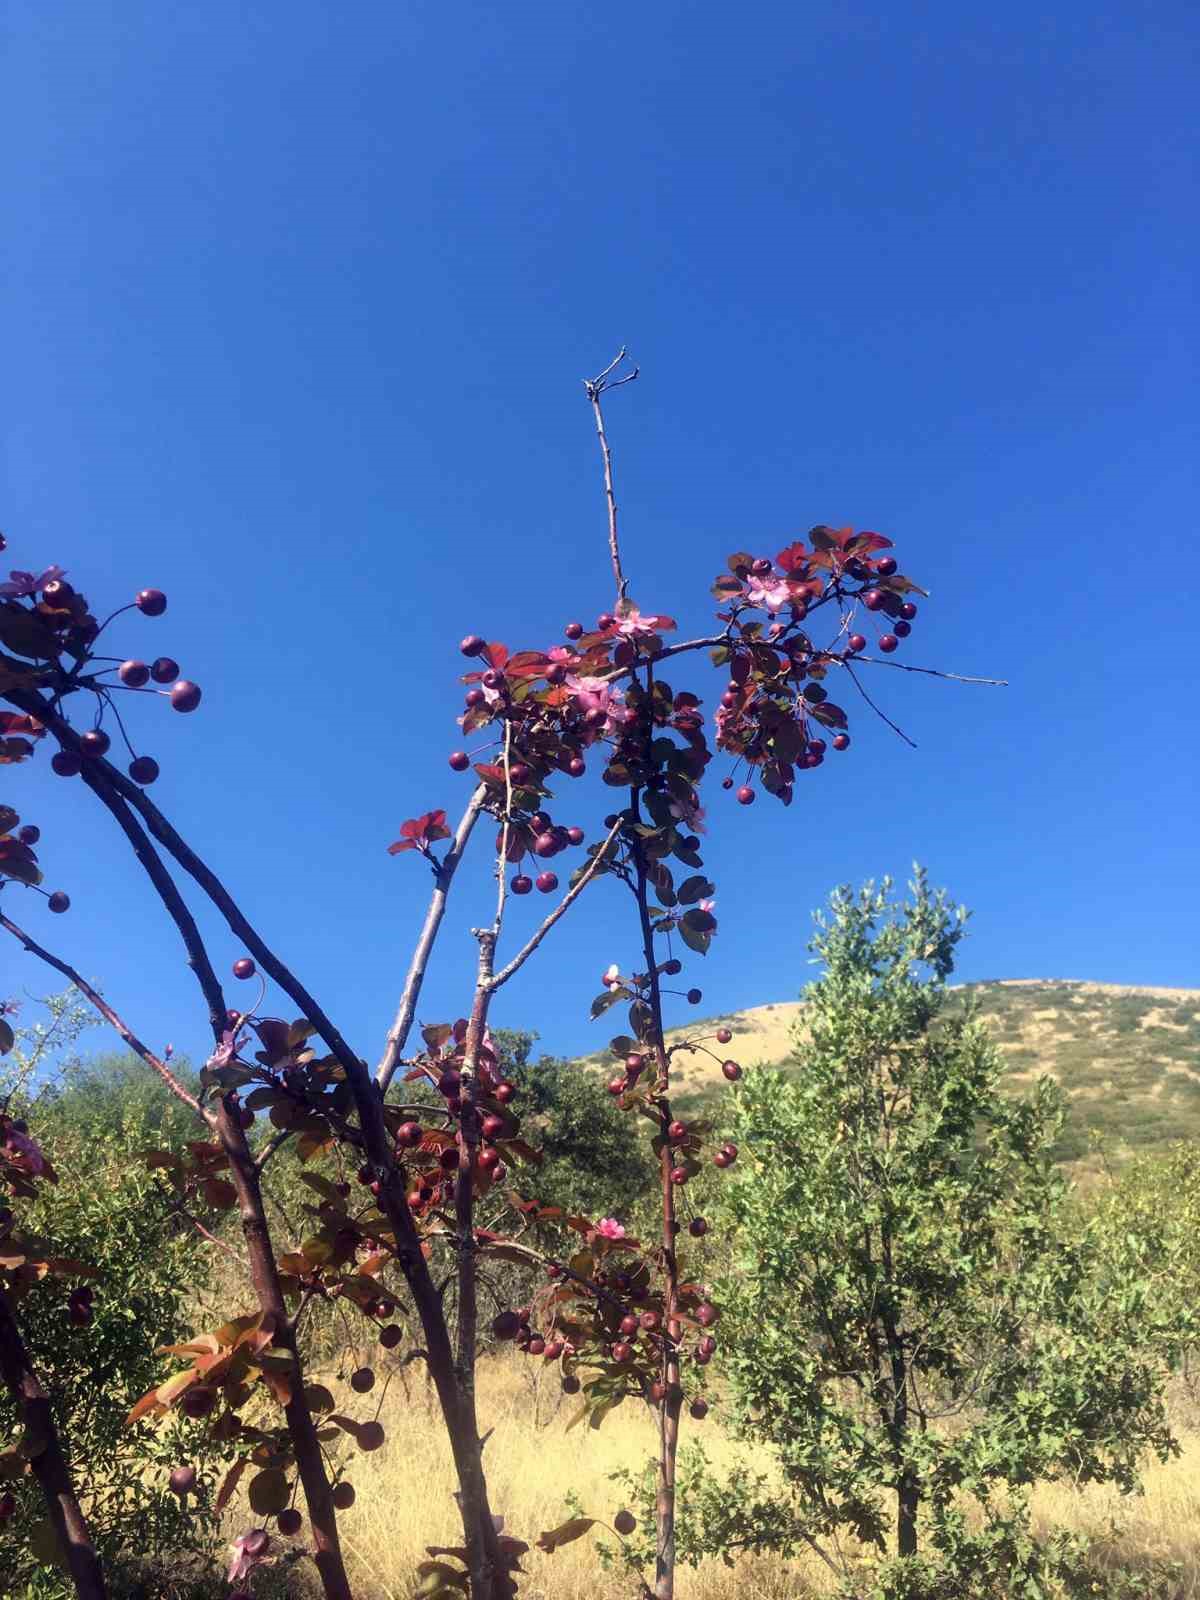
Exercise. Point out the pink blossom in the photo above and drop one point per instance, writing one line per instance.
(610, 1228)
(637, 623)
(26, 583)
(249, 1551)
(612, 976)
(769, 593)
(706, 905)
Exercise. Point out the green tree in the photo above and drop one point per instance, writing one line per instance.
(914, 1328)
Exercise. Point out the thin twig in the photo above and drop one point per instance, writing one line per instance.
(934, 672)
(595, 388)
(405, 1012)
(110, 1016)
(883, 714)
(222, 1244)
(523, 955)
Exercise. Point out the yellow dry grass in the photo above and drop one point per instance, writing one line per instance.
(405, 1498)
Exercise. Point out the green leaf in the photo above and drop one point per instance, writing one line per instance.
(268, 1492)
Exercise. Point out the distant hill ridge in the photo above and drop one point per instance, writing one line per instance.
(1128, 1056)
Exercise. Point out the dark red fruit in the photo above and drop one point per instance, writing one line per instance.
(133, 674)
(520, 774)
(908, 611)
(448, 1159)
(676, 1131)
(576, 767)
(185, 695)
(164, 670)
(731, 1070)
(708, 1345)
(182, 1480)
(570, 1384)
(473, 645)
(521, 884)
(57, 593)
(536, 1346)
(706, 1314)
(902, 629)
(574, 630)
(624, 1522)
(697, 1227)
(507, 1325)
(885, 566)
(553, 1350)
(289, 1522)
(342, 1496)
(841, 741)
(622, 1351)
(492, 1126)
(391, 1336)
(730, 1150)
(617, 1086)
(699, 1409)
(459, 760)
(545, 845)
(493, 679)
(362, 1381)
(198, 1401)
(243, 967)
(694, 997)
(151, 602)
(605, 620)
(475, 697)
(672, 968)
(143, 769)
(489, 1159)
(370, 1436)
(66, 763)
(888, 642)
(724, 1035)
(679, 1176)
(505, 1092)
(547, 882)
(58, 901)
(856, 642)
(409, 1134)
(450, 1082)
(745, 795)
(722, 1158)
(575, 836)
(873, 599)
(650, 1320)
(29, 834)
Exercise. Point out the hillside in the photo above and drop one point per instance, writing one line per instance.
(1129, 1058)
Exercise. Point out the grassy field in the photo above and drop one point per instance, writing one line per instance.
(405, 1500)
(1129, 1059)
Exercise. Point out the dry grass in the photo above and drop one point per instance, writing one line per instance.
(405, 1499)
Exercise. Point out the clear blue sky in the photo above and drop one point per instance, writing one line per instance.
(298, 301)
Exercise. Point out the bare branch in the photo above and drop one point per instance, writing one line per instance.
(881, 714)
(406, 1011)
(564, 905)
(934, 672)
(155, 1063)
(595, 388)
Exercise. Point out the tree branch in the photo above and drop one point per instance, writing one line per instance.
(106, 1011)
(398, 1032)
(595, 388)
(523, 955)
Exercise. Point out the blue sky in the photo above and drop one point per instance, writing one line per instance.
(299, 298)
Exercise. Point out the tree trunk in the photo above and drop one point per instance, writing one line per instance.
(49, 1464)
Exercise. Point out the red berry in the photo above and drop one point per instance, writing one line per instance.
(289, 1522)
(731, 1070)
(605, 620)
(745, 796)
(908, 611)
(697, 1227)
(722, 1159)
(574, 630)
(391, 1336)
(519, 774)
(143, 769)
(888, 642)
(521, 884)
(489, 1158)
(185, 695)
(459, 761)
(342, 1496)
(699, 1409)
(902, 629)
(547, 882)
(679, 1176)
(724, 1035)
(885, 566)
(873, 599)
(856, 642)
(706, 1314)
(841, 741)
(58, 901)
(576, 767)
(536, 1346)
(151, 602)
(66, 763)
(475, 697)
(673, 967)
(57, 593)
(676, 1131)
(133, 674)
(362, 1381)
(540, 822)
(182, 1480)
(694, 997)
(617, 1086)
(622, 1351)
(473, 645)
(629, 1326)
(505, 1092)
(492, 1126)
(29, 834)
(545, 845)
(575, 836)
(507, 1325)
(409, 1134)
(624, 1522)
(243, 967)
(493, 678)
(163, 670)
(730, 1150)
(553, 1350)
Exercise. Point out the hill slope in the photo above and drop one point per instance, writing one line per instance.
(1129, 1058)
